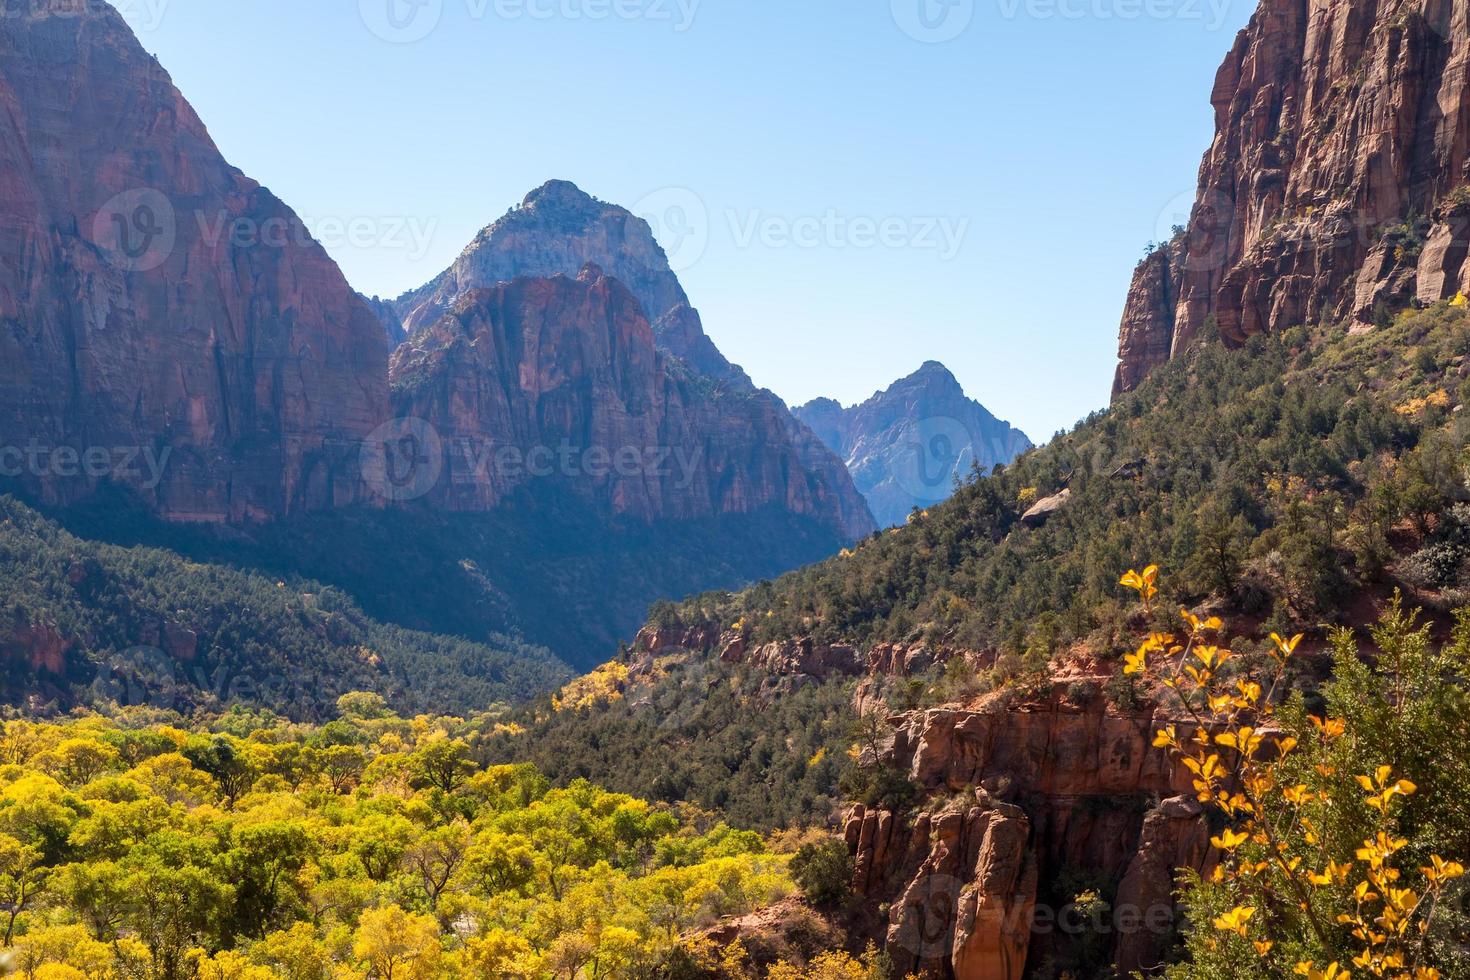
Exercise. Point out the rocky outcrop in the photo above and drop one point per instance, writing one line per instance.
(166, 324)
(1026, 796)
(906, 446)
(1146, 338)
(557, 382)
(796, 658)
(967, 905)
(1046, 508)
(1336, 182)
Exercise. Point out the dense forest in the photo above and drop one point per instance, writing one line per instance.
(1280, 479)
(245, 847)
(90, 623)
(544, 566)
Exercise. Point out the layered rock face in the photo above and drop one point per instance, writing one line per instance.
(557, 231)
(165, 322)
(1023, 799)
(559, 379)
(1335, 185)
(906, 446)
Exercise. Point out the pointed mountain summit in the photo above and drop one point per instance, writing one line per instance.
(558, 229)
(906, 446)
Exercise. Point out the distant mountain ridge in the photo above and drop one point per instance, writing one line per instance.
(907, 445)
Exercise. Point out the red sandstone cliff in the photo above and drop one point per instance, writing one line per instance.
(155, 303)
(559, 379)
(1336, 184)
(1027, 799)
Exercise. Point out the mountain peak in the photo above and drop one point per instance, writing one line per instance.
(558, 194)
(933, 371)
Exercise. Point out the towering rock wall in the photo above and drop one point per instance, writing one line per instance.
(559, 379)
(164, 322)
(761, 455)
(1336, 184)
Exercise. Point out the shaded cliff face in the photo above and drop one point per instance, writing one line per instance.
(162, 316)
(1336, 182)
(558, 229)
(558, 379)
(905, 446)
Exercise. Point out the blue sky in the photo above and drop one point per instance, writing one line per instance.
(848, 187)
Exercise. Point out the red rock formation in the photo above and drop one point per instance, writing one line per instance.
(559, 379)
(1336, 182)
(971, 882)
(559, 229)
(157, 307)
(1146, 338)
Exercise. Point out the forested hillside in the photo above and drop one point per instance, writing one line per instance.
(89, 623)
(1282, 480)
(1293, 482)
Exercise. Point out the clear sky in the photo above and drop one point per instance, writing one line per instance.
(847, 187)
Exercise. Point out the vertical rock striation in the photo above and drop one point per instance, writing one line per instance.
(155, 303)
(1024, 797)
(559, 379)
(1336, 184)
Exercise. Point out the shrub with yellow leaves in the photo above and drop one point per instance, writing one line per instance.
(1311, 877)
